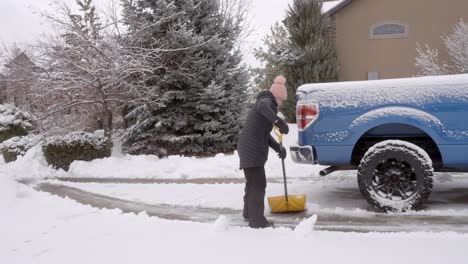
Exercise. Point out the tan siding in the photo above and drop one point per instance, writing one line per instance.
(332, 28)
(392, 58)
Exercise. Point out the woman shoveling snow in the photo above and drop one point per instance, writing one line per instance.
(253, 146)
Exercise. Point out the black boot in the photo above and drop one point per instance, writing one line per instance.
(267, 225)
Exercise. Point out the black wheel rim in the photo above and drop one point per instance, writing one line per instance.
(394, 179)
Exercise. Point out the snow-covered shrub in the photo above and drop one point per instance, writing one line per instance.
(61, 151)
(18, 146)
(14, 122)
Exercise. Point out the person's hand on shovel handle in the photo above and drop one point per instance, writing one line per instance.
(282, 152)
(283, 127)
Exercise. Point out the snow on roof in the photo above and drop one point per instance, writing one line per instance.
(327, 6)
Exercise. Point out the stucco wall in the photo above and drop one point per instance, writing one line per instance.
(427, 20)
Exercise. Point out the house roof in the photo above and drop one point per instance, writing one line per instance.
(335, 6)
(20, 60)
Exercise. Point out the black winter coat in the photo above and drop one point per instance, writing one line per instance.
(255, 137)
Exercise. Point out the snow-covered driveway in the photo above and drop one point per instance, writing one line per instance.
(36, 227)
(335, 199)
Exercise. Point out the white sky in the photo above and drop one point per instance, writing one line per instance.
(19, 21)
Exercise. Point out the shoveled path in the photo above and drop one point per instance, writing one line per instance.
(326, 221)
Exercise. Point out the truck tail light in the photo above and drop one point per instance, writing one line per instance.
(306, 114)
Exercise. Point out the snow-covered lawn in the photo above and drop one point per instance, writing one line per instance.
(40, 228)
(175, 167)
(37, 227)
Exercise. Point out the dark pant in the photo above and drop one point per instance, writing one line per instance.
(254, 197)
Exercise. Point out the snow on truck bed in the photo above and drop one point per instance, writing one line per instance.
(417, 91)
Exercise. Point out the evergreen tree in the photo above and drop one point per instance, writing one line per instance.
(300, 49)
(201, 80)
(276, 43)
(312, 54)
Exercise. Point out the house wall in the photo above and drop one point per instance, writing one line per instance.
(427, 21)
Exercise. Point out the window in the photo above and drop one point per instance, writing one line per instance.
(388, 30)
(372, 76)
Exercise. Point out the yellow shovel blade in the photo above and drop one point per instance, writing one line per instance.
(295, 203)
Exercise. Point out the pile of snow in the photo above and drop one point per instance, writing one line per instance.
(178, 167)
(11, 116)
(150, 166)
(117, 138)
(7, 191)
(31, 165)
(305, 227)
(221, 224)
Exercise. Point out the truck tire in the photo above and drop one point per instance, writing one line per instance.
(395, 176)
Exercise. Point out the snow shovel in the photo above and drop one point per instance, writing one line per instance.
(286, 203)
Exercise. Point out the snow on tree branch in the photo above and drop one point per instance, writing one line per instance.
(83, 63)
(457, 46)
(429, 63)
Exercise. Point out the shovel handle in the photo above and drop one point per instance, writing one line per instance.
(280, 139)
(285, 184)
(278, 134)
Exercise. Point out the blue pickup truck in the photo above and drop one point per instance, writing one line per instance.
(395, 133)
